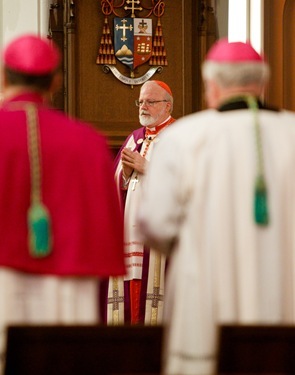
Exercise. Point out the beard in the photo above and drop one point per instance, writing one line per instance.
(146, 119)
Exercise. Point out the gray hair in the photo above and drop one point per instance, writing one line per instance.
(170, 99)
(167, 96)
(236, 74)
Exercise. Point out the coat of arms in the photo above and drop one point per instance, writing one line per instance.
(129, 38)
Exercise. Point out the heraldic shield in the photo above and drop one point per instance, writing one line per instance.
(133, 40)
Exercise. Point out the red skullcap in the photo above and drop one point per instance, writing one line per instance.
(31, 54)
(234, 52)
(164, 86)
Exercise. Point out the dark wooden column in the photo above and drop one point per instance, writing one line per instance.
(279, 47)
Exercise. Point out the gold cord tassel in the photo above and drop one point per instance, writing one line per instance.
(261, 212)
(260, 202)
(39, 223)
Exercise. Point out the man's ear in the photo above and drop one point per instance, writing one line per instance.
(212, 93)
(3, 78)
(169, 107)
(56, 83)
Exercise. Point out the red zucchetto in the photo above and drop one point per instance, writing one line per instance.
(164, 86)
(233, 52)
(18, 55)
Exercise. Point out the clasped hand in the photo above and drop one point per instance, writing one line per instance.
(132, 160)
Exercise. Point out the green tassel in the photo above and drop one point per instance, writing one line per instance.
(260, 202)
(39, 230)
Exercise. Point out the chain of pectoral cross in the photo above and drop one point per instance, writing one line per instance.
(135, 180)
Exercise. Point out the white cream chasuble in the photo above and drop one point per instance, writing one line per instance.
(223, 267)
(47, 300)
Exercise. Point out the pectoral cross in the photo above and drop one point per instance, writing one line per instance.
(133, 183)
(124, 28)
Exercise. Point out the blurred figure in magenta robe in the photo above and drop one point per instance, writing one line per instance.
(61, 226)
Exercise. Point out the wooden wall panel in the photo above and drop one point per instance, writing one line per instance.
(279, 31)
(56, 33)
(88, 93)
(273, 46)
(289, 55)
(107, 102)
(104, 100)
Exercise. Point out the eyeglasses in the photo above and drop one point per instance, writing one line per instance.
(148, 103)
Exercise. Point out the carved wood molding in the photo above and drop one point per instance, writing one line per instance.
(207, 34)
(69, 56)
